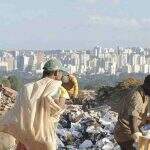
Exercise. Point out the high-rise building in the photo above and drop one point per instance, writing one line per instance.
(97, 51)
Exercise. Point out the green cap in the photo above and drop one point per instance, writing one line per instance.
(53, 64)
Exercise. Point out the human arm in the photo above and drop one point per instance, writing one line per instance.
(133, 124)
(76, 90)
(76, 86)
(134, 111)
(63, 96)
(60, 102)
(134, 128)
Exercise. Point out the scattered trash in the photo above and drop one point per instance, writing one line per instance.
(86, 144)
(83, 129)
(93, 130)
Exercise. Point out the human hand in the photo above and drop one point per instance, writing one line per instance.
(136, 136)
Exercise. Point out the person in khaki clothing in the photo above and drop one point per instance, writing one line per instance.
(132, 115)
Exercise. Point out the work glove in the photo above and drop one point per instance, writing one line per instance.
(136, 136)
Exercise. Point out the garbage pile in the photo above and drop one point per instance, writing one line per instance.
(6, 103)
(81, 128)
(91, 129)
(84, 96)
(6, 140)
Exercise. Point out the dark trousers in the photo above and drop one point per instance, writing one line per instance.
(128, 145)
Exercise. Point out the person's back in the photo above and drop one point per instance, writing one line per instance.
(32, 121)
(31, 110)
(126, 101)
(134, 103)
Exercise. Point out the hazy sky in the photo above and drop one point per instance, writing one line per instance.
(74, 23)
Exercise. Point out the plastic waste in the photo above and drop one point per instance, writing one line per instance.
(93, 131)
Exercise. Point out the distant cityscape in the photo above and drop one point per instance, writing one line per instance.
(111, 61)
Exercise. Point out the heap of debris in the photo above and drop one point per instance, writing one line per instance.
(85, 96)
(7, 101)
(5, 104)
(92, 129)
(80, 127)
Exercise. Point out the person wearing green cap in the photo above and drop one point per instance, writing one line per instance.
(34, 117)
(54, 66)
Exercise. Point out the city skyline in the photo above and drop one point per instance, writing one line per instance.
(74, 24)
(96, 61)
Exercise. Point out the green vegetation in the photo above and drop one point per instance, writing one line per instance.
(15, 82)
(103, 92)
(115, 93)
(95, 81)
(5, 82)
(128, 83)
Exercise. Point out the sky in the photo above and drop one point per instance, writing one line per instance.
(59, 24)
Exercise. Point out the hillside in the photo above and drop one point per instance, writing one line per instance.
(112, 96)
(78, 128)
(88, 122)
